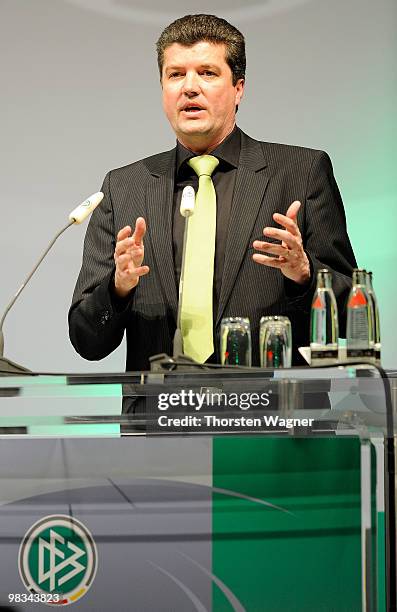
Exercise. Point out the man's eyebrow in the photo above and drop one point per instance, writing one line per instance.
(204, 66)
(174, 67)
(209, 66)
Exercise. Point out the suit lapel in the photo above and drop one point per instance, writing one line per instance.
(251, 181)
(159, 204)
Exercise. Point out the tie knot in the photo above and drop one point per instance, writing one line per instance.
(203, 164)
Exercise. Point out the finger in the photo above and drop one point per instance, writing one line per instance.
(122, 262)
(126, 266)
(269, 247)
(293, 210)
(273, 262)
(140, 230)
(286, 222)
(142, 270)
(124, 233)
(122, 246)
(285, 236)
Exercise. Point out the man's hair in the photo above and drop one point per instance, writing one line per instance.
(191, 29)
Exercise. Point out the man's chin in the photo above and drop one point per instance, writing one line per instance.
(193, 127)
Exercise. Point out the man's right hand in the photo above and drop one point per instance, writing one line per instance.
(128, 256)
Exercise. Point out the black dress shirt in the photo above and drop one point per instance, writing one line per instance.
(223, 178)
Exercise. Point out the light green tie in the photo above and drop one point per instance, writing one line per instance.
(196, 308)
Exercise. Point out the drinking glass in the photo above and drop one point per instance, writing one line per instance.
(275, 342)
(235, 341)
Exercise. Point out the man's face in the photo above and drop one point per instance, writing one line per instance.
(199, 97)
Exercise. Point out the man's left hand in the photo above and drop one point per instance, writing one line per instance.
(291, 258)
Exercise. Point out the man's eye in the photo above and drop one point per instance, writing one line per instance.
(209, 73)
(174, 74)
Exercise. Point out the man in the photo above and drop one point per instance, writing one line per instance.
(279, 216)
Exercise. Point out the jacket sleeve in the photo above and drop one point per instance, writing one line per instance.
(325, 238)
(96, 318)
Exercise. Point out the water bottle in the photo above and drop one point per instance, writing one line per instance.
(376, 319)
(324, 329)
(359, 335)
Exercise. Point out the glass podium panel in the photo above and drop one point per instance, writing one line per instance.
(217, 490)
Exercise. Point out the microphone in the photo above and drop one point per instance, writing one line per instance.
(84, 209)
(186, 210)
(77, 215)
(187, 202)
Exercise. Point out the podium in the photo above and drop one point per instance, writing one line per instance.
(273, 501)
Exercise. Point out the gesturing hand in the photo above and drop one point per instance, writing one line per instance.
(128, 257)
(291, 258)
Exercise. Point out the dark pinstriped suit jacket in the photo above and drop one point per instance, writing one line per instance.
(269, 177)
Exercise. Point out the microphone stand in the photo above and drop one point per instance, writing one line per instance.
(6, 365)
(161, 362)
(178, 340)
(78, 214)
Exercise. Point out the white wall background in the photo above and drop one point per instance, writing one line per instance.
(80, 95)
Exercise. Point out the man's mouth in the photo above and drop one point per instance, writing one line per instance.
(193, 109)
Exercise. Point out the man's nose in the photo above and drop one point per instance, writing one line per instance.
(191, 84)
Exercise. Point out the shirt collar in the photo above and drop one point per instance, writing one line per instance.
(228, 151)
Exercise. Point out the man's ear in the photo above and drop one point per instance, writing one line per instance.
(239, 90)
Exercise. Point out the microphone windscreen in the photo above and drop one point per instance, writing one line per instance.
(84, 209)
(187, 201)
